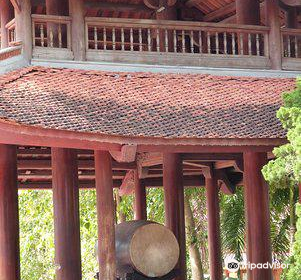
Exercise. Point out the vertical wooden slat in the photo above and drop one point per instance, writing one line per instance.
(105, 215)
(114, 38)
(122, 39)
(249, 44)
(257, 44)
(104, 38)
(233, 43)
(9, 215)
(225, 43)
(166, 40)
(42, 35)
(158, 39)
(183, 42)
(208, 42)
(175, 41)
(50, 39)
(241, 43)
(200, 41)
(60, 35)
(131, 39)
(216, 43)
(296, 47)
(66, 213)
(149, 46)
(140, 39)
(289, 46)
(95, 38)
(191, 42)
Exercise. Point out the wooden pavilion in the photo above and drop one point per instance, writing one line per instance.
(66, 129)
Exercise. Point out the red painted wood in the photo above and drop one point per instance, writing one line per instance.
(5, 8)
(273, 21)
(214, 242)
(173, 197)
(105, 215)
(9, 217)
(257, 215)
(140, 199)
(66, 214)
(243, 14)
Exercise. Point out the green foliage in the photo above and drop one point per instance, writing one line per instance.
(37, 234)
(294, 271)
(285, 170)
(233, 224)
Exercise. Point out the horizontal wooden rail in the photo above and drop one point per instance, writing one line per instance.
(51, 31)
(11, 32)
(181, 37)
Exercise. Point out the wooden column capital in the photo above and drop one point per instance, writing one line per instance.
(9, 215)
(105, 215)
(66, 213)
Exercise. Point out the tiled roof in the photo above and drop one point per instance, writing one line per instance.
(144, 104)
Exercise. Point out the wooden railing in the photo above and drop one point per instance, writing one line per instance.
(291, 40)
(11, 32)
(175, 37)
(51, 31)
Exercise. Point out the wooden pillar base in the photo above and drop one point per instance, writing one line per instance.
(9, 216)
(66, 214)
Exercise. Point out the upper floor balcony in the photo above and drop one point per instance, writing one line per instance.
(220, 41)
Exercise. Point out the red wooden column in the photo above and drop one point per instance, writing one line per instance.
(243, 14)
(105, 215)
(140, 199)
(273, 21)
(257, 215)
(174, 204)
(24, 28)
(9, 216)
(5, 16)
(213, 215)
(77, 12)
(66, 213)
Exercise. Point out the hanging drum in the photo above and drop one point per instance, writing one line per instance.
(145, 247)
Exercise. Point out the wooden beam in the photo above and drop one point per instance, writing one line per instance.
(243, 14)
(213, 216)
(293, 3)
(105, 216)
(117, 7)
(225, 10)
(127, 153)
(9, 217)
(66, 214)
(140, 199)
(212, 156)
(257, 215)
(173, 199)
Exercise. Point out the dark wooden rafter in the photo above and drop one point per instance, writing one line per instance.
(220, 13)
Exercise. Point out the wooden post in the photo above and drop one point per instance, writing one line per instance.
(257, 215)
(66, 213)
(105, 215)
(77, 12)
(140, 199)
(174, 204)
(213, 216)
(243, 14)
(275, 44)
(5, 17)
(9, 216)
(23, 27)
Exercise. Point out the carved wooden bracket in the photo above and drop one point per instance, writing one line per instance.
(127, 153)
(16, 5)
(224, 183)
(128, 184)
(155, 4)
